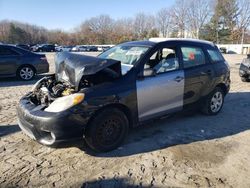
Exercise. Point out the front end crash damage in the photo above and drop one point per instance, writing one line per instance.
(54, 109)
(74, 74)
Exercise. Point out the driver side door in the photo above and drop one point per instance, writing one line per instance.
(161, 92)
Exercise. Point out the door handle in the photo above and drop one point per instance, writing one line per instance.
(178, 78)
(207, 72)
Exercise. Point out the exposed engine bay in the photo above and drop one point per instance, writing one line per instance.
(66, 82)
(48, 89)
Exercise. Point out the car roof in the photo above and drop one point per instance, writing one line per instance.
(182, 40)
(9, 46)
(21, 50)
(140, 43)
(154, 41)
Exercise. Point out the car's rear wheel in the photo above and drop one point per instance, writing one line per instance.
(244, 79)
(26, 73)
(213, 103)
(107, 130)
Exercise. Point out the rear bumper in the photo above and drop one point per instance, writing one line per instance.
(244, 71)
(48, 127)
(42, 68)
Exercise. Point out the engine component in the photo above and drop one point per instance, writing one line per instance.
(67, 91)
(58, 89)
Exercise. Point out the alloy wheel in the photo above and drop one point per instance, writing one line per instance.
(216, 102)
(26, 73)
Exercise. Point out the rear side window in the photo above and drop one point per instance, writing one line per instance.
(192, 56)
(215, 55)
(6, 51)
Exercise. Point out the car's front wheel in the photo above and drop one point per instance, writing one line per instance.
(213, 103)
(107, 130)
(26, 73)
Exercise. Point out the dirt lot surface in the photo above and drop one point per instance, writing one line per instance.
(181, 151)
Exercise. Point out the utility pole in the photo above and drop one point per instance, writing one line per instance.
(242, 39)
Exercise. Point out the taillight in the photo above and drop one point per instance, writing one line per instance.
(43, 59)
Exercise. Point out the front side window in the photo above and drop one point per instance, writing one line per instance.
(192, 56)
(163, 60)
(215, 55)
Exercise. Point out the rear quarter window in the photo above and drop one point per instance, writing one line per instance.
(7, 52)
(215, 55)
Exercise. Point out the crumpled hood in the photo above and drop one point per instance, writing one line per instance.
(72, 67)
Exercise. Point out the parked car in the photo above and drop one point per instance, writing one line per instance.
(79, 48)
(24, 46)
(103, 48)
(64, 48)
(91, 49)
(84, 48)
(223, 50)
(245, 69)
(44, 48)
(19, 62)
(100, 98)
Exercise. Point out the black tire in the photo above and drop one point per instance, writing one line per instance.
(21, 72)
(213, 103)
(244, 79)
(109, 122)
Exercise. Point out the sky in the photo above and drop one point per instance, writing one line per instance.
(68, 14)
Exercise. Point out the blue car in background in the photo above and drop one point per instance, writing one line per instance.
(21, 63)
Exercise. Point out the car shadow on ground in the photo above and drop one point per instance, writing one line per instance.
(183, 129)
(179, 129)
(10, 82)
(113, 182)
(8, 129)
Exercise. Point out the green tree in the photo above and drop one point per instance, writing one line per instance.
(223, 21)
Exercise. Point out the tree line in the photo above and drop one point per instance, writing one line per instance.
(220, 21)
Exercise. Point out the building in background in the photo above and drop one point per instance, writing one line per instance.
(235, 48)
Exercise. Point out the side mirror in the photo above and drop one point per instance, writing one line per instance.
(149, 72)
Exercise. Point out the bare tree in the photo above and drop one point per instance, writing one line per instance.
(164, 21)
(4, 31)
(97, 29)
(179, 17)
(123, 30)
(140, 25)
(144, 25)
(198, 14)
(243, 18)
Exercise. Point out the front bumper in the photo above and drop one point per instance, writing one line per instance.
(48, 127)
(244, 71)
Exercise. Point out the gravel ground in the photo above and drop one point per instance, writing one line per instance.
(181, 151)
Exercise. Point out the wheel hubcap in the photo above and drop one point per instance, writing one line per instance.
(216, 102)
(26, 73)
(109, 131)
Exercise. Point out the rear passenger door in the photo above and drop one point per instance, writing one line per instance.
(198, 73)
(8, 61)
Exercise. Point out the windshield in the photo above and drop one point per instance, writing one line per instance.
(125, 54)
